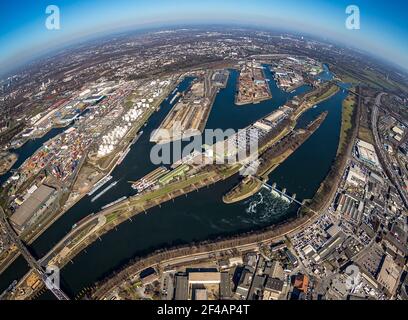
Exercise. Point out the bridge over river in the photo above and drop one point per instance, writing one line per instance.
(32, 262)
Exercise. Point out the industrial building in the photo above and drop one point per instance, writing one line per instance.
(205, 285)
(389, 275)
(366, 152)
(273, 289)
(38, 201)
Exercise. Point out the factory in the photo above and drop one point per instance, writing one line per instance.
(289, 72)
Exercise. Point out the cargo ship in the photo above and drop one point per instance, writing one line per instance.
(99, 184)
(175, 97)
(126, 152)
(137, 137)
(104, 191)
(123, 156)
(113, 203)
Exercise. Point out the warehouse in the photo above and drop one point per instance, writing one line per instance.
(366, 152)
(38, 200)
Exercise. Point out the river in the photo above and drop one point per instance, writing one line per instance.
(201, 215)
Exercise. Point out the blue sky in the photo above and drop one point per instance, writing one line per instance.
(384, 27)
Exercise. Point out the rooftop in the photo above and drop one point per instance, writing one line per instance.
(31, 205)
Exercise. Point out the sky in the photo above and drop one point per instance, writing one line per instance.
(383, 24)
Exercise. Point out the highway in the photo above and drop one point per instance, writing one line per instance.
(32, 262)
(398, 183)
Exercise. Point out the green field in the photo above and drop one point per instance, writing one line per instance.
(347, 113)
(365, 134)
(327, 94)
(177, 186)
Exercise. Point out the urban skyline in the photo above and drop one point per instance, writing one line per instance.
(383, 32)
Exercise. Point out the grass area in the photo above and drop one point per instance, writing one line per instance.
(324, 194)
(230, 170)
(111, 217)
(333, 89)
(347, 113)
(383, 82)
(371, 78)
(243, 190)
(365, 134)
(176, 186)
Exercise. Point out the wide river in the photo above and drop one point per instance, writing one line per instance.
(200, 215)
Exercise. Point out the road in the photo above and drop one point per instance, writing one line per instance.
(32, 262)
(386, 164)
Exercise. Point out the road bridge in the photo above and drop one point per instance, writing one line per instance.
(32, 262)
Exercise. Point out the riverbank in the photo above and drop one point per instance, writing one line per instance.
(328, 187)
(246, 188)
(346, 121)
(165, 258)
(94, 227)
(7, 160)
(270, 158)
